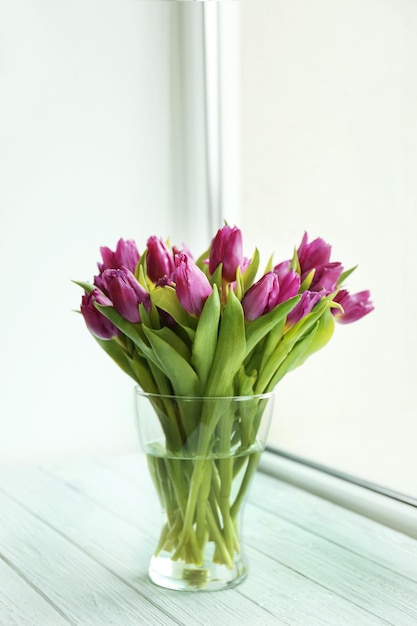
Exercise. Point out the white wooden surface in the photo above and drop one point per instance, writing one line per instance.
(76, 538)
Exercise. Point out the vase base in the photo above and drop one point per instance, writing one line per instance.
(209, 576)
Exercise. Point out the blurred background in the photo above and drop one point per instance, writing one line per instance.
(129, 118)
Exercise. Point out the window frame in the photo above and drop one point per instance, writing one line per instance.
(387, 507)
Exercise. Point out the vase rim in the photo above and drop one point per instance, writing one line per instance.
(257, 396)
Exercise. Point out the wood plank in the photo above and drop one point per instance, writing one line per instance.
(377, 542)
(21, 604)
(124, 549)
(359, 580)
(365, 583)
(85, 591)
(297, 598)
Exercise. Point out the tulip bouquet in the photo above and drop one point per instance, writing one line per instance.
(211, 327)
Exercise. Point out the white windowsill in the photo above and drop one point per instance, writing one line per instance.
(376, 506)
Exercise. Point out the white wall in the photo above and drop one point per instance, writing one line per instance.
(98, 140)
(329, 136)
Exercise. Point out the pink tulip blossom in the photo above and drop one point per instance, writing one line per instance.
(262, 297)
(226, 248)
(126, 293)
(289, 281)
(125, 255)
(354, 306)
(96, 322)
(192, 285)
(308, 300)
(159, 260)
(314, 254)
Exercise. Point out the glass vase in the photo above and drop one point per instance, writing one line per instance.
(202, 454)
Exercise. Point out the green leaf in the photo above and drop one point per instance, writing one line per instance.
(245, 382)
(88, 287)
(143, 374)
(143, 277)
(201, 261)
(205, 341)
(304, 325)
(166, 299)
(133, 331)
(272, 340)
(345, 274)
(256, 330)
(239, 289)
(250, 273)
(115, 350)
(293, 359)
(323, 334)
(295, 263)
(270, 265)
(282, 351)
(140, 271)
(230, 349)
(216, 278)
(307, 280)
(170, 337)
(183, 377)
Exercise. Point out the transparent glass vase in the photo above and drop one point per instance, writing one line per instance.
(202, 454)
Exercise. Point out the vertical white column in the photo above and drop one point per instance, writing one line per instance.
(205, 117)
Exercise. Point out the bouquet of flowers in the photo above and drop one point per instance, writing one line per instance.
(212, 327)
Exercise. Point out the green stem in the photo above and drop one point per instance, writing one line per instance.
(253, 461)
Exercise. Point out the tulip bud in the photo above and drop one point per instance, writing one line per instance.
(308, 300)
(226, 248)
(325, 277)
(311, 255)
(96, 322)
(354, 306)
(125, 255)
(192, 285)
(262, 297)
(126, 293)
(159, 259)
(289, 281)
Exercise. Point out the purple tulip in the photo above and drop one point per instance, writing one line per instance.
(325, 277)
(226, 248)
(98, 325)
(312, 255)
(183, 249)
(125, 255)
(262, 297)
(126, 293)
(192, 285)
(159, 259)
(289, 281)
(308, 300)
(354, 306)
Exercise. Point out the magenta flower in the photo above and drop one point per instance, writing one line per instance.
(226, 248)
(126, 293)
(308, 300)
(125, 255)
(325, 277)
(354, 306)
(312, 255)
(192, 285)
(159, 259)
(289, 281)
(262, 297)
(98, 325)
